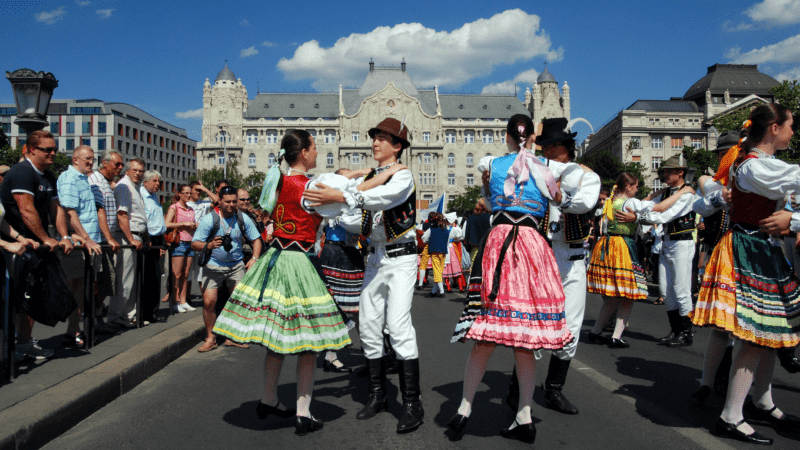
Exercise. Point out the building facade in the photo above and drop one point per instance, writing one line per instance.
(118, 126)
(650, 131)
(450, 133)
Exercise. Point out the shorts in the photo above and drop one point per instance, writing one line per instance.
(214, 276)
(183, 249)
(74, 266)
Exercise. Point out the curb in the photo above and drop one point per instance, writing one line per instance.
(38, 420)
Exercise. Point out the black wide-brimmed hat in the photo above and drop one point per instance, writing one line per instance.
(726, 140)
(393, 127)
(554, 131)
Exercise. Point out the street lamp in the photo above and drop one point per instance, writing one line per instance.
(224, 138)
(32, 94)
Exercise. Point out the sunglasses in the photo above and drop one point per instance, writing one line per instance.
(47, 149)
(244, 199)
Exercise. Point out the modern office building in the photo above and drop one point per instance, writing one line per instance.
(119, 126)
(450, 133)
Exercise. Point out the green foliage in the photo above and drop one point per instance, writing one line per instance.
(731, 122)
(464, 202)
(254, 183)
(701, 159)
(788, 95)
(609, 168)
(209, 176)
(10, 156)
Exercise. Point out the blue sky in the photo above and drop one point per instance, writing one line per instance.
(156, 55)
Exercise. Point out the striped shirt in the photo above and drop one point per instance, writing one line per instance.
(110, 203)
(75, 193)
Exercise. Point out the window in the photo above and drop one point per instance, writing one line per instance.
(488, 137)
(330, 137)
(451, 160)
(70, 144)
(53, 128)
(470, 180)
(426, 137)
(451, 179)
(657, 184)
(674, 121)
(271, 159)
(652, 120)
(469, 137)
(119, 145)
(221, 159)
(657, 160)
(355, 158)
(251, 160)
(127, 132)
(636, 158)
(7, 127)
(252, 137)
(697, 143)
(272, 137)
(313, 133)
(502, 138)
(656, 142)
(329, 160)
(426, 158)
(86, 127)
(636, 142)
(677, 143)
(354, 136)
(427, 179)
(450, 137)
(469, 160)
(222, 136)
(71, 127)
(488, 154)
(101, 144)
(101, 128)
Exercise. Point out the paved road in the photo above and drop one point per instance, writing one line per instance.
(629, 398)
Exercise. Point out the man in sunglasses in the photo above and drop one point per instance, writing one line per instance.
(30, 199)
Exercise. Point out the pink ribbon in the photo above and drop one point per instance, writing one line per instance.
(519, 174)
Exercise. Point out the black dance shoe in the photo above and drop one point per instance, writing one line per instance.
(729, 430)
(525, 433)
(263, 411)
(764, 417)
(305, 425)
(457, 423)
(597, 338)
(330, 366)
(618, 343)
(701, 394)
(667, 338)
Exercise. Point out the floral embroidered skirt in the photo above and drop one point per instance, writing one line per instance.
(615, 270)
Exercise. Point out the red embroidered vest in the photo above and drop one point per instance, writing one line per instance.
(291, 220)
(749, 208)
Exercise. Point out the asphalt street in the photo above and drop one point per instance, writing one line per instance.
(628, 398)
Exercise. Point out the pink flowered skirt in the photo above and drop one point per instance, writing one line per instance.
(528, 311)
(453, 268)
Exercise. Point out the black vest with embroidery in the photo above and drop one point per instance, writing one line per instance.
(716, 225)
(683, 224)
(576, 226)
(396, 221)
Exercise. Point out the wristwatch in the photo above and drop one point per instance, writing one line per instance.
(69, 238)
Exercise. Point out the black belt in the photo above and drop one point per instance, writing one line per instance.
(515, 218)
(395, 250)
(680, 237)
(137, 233)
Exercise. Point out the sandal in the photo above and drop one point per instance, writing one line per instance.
(230, 343)
(73, 340)
(660, 301)
(206, 347)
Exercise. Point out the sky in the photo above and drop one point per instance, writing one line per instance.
(156, 55)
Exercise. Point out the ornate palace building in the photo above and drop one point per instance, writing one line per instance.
(449, 132)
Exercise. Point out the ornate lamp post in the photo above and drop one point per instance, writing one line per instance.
(224, 136)
(32, 94)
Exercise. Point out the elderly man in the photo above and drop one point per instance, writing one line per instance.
(110, 167)
(30, 199)
(79, 202)
(156, 227)
(131, 230)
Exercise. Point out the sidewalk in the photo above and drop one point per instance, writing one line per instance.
(48, 397)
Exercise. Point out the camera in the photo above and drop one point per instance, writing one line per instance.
(227, 243)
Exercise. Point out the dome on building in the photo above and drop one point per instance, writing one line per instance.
(738, 79)
(546, 77)
(225, 75)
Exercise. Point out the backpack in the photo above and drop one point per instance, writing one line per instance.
(205, 256)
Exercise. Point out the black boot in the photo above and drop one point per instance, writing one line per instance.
(674, 317)
(556, 377)
(412, 413)
(684, 337)
(377, 389)
(392, 364)
(512, 399)
(788, 360)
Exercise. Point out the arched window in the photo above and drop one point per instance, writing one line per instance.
(450, 137)
(329, 160)
(252, 137)
(271, 159)
(223, 136)
(469, 136)
(355, 158)
(469, 160)
(251, 160)
(451, 160)
(221, 159)
(272, 137)
(427, 159)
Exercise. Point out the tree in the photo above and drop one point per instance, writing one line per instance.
(464, 202)
(788, 95)
(609, 168)
(701, 159)
(254, 183)
(10, 156)
(209, 176)
(732, 121)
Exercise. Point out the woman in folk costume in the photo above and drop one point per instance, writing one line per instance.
(748, 289)
(437, 238)
(452, 268)
(615, 270)
(520, 303)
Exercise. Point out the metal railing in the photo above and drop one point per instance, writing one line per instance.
(8, 363)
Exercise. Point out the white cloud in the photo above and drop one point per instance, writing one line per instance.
(268, 44)
(791, 74)
(82, 3)
(740, 27)
(775, 12)
(244, 23)
(435, 57)
(191, 114)
(785, 51)
(105, 13)
(250, 51)
(522, 79)
(50, 17)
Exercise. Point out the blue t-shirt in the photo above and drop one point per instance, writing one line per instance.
(220, 257)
